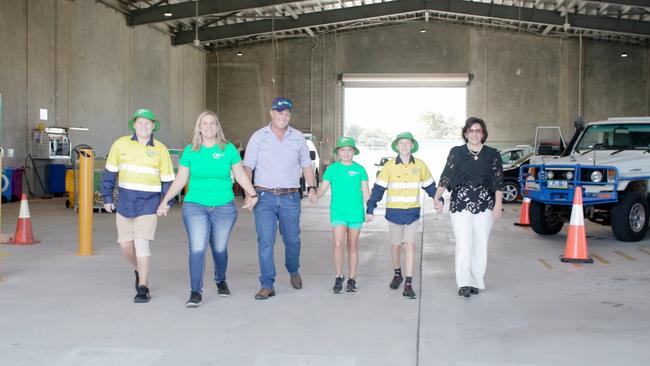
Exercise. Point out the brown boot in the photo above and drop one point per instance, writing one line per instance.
(296, 281)
(264, 293)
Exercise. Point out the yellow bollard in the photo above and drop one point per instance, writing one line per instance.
(86, 198)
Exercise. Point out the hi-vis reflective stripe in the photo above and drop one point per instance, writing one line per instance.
(112, 168)
(403, 199)
(403, 185)
(577, 217)
(24, 210)
(139, 169)
(427, 182)
(140, 187)
(167, 178)
(382, 183)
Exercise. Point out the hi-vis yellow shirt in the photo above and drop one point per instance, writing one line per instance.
(140, 167)
(403, 182)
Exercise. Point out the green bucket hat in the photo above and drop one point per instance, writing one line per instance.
(346, 141)
(405, 135)
(146, 114)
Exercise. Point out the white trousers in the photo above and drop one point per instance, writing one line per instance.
(472, 232)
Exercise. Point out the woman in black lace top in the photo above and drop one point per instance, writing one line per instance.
(474, 176)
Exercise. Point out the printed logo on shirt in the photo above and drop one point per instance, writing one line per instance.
(415, 170)
(217, 155)
(352, 173)
(151, 153)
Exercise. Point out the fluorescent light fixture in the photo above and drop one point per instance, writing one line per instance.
(167, 13)
(422, 30)
(239, 53)
(55, 130)
(79, 128)
(624, 54)
(405, 80)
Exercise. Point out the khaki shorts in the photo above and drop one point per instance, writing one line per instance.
(403, 233)
(139, 227)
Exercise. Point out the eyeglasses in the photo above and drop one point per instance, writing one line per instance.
(475, 131)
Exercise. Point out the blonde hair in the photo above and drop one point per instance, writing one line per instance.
(198, 139)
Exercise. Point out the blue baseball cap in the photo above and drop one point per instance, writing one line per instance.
(281, 103)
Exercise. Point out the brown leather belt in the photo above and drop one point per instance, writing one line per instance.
(277, 191)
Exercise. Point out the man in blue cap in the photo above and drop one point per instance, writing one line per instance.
(278, 154)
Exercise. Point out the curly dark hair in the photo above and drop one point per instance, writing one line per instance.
(472, 121)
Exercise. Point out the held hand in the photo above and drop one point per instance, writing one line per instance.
(369, 217)
(250, 202)
(313, 197)
(109, 207)
(438, 205)
(163, 209)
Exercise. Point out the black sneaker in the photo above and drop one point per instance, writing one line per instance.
(352, 285)
(195, 300)
(338, 285)
(222, 288)
(397, 280)
(143, 295)
(464, 291)
(137, 280)
(408, 291)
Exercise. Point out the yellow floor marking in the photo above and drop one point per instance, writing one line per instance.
(646, 251)
(4, 254)
(599, 258)
(629, 258)
(546, 264)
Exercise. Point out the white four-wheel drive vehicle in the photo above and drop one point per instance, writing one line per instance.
(610, 160)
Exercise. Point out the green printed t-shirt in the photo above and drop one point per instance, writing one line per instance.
(347, 197)
(210, 181)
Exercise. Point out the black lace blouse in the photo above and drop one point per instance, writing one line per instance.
(472, 182)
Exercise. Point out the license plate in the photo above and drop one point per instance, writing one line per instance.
(560, 184)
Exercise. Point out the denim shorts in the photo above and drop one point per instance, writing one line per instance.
(350, 225)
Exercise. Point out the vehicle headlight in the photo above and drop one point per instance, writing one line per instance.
(549, 174)
(568, 175)
(596, 176)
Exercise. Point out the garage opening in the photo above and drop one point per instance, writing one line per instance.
(379, 106)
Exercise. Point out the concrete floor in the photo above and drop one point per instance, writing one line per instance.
(61, 309)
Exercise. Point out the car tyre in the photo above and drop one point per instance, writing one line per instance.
(541, 222)
(510, 191)
(630, 217)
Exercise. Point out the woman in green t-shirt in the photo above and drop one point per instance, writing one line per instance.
(349, 182)
(209, 211)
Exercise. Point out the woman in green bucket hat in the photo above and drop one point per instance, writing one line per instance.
(349, 182)
(401, 178)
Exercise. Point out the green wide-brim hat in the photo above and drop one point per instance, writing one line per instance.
(346, 141)
(146, 114)
(405, 135)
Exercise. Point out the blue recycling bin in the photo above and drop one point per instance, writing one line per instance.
(7, 175)
(56, 179)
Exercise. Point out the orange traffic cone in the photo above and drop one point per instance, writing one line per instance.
(24, 234)
(524, 219)
(576, 241)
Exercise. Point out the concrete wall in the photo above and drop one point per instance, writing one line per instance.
(79, 60)
(519, 81)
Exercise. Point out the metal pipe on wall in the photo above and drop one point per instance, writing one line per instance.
(580, 61)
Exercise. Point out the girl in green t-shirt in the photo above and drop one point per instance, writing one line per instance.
(349, 182)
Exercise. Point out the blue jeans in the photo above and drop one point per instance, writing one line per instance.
(270, 210)
(208, 224)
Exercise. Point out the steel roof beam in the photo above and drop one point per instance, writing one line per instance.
(458, 7)
(187, 9)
